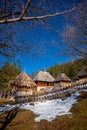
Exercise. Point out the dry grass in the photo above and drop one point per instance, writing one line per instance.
(5, 101)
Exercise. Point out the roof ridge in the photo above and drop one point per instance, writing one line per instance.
(44, 76)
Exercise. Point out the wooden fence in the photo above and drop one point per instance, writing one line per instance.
(60, 93)
(4, 94)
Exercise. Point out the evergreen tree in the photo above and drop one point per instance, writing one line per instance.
(70, 69)
(7, 73)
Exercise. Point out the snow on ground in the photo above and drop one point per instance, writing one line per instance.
(48, 109)
(7, 107)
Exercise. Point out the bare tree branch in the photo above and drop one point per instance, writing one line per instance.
(25, 9)
(16, 13)
(9, 14)
(35, 17)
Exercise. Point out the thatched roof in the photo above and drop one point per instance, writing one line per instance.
(83, 72)
(23, 80)
(43, 76)
(62, 77)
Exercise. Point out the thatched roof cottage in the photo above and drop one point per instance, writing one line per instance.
(23, 84)
(82, 75)
(62, 80)
(44, 80)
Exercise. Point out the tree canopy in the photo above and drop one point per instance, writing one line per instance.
(8, 72)
(70, 69)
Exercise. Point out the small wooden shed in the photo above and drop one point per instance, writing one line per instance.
(62, 81)
(44, 80)
(23, 85)
(82, 75)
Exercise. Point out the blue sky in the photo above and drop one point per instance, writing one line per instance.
(44, 52)
(47, 46)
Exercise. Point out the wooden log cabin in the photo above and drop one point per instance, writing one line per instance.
(82, 75)
(62, 81)
(23, 85)
(44, 80)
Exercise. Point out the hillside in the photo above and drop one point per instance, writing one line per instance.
(21, 119)
(70, 69)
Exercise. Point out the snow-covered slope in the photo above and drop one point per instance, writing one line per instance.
(50, 109)
(47, 110)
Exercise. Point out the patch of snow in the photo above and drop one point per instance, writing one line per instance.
(8, 107)
(50, 109)
(47, 110)
(5, 108)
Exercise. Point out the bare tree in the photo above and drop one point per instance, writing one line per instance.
(29, 10)
(76, 31)
(19, 13)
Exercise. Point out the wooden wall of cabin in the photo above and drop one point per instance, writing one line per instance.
(23, 93)
(41, 86)
(44, 84)
(65, 84)
(24, 88)
(81, 80)
(51, 84)
(62, 84)
(40, 83)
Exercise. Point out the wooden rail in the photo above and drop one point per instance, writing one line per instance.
(61, 93)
